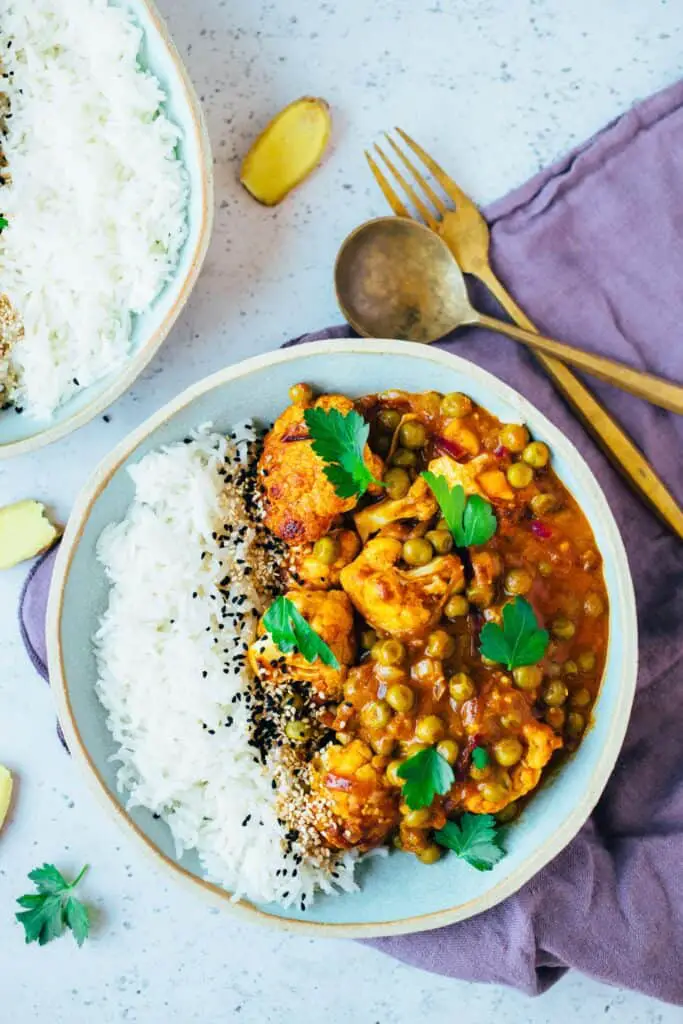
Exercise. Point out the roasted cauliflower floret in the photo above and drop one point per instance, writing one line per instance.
(330, 614)
(352, 801)
(300, 502)
(405, 603)
(419, 503)
(308, 570)
(502, 785)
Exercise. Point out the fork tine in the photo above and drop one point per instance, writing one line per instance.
(454, 191)
(436, 201)
(389, 194)
(425, 213)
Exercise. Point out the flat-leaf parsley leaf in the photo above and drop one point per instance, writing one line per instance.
(474, 840)
(520, 641)
(426, 773)
(290, 631)
(3, 222)
(472, 521)
(340, 442)
(53, 908)
(480, 757)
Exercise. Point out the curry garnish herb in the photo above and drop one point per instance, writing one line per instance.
(520, 641)
(340, 442)
(471, 521)
(290, 631)
(475, 840)
(3, 222)
(53, 908)
(426, 774)
(480, 757)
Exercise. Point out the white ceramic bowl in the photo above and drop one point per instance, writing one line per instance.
(19, 434)
(398, 893)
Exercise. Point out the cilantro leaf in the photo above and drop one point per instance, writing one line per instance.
(480, 757)
(426, 773)
(451, 501)
(77, 920)
(471, 521)
(290, 631)
(520, 641)
(53, 908)
(3, 222)
(474, 840)
(48, 879)
(479, 522)
(340, 442)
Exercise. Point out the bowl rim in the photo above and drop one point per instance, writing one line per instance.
(133, 366)
(219, 896)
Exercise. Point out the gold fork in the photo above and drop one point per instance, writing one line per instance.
(466, 233)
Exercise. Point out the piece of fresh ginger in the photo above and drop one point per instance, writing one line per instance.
(287, 150)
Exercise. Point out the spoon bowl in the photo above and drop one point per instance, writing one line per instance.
(397, 279)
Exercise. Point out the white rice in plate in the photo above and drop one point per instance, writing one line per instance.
(96, 196)
(173, 676)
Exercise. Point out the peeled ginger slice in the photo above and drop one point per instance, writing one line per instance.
(25, 531)
(287, 150)
(5, 792)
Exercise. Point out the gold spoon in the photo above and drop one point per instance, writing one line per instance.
(396, 278)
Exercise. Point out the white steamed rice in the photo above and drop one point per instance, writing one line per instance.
(96, 204)
(162, 677)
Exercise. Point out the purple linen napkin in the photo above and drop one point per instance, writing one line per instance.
(593, 249)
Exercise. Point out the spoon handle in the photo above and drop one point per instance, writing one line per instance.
(644, 385)
(612, 438)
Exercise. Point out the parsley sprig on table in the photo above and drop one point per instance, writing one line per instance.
(471, 521)
(53, 908)
(474, 839)
(520, 641)
(340, 442)
(426, 773)
(290, 631)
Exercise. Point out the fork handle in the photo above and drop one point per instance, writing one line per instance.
(644, 385)
(614, 441)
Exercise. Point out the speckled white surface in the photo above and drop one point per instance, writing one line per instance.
(496, 88)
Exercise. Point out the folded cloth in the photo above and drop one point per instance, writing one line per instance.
(593, 249)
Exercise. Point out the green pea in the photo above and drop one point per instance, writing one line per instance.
(461, 687)
(456, 404)
(441, 540)
(404, 457)
(388, 419)
(576, 723)
(376, 714)
(563, 628)
(518, 581)
(527, 677)
(388, 652)
(555, 693)
(456, 607)
(298, 731)
(413, 435)
(397, 482)
(326, 550)
(536, 454)
(417, 551)
(519, 475)
(542, 504)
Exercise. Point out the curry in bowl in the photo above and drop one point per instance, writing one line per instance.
(461, 602)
